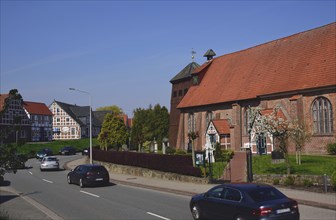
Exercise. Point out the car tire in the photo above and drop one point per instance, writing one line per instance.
(81, 184)
(69, 180)
(196, 212)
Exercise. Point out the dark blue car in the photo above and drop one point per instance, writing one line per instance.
(244, 202)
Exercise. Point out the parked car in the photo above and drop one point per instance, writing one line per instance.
(49, 163)
(244, 202)
(43, 153)
(86, 151)
(68, 150)
(88, 174)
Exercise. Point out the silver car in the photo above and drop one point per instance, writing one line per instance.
(49, 163)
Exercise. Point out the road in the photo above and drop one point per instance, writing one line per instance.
(51, 189)
(111, 202)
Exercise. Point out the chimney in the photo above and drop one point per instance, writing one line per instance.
(209, 54)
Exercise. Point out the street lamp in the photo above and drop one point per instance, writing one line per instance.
(90, 120)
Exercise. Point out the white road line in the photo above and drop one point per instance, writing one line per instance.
(48, 181)
(90, 194)
(30, 173)
(149, 213)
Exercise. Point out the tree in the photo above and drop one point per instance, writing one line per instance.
(300, 136)
(113, 133)
(9, 158)
(192, 136)
(150, 124)
(114, 108)
(279, 128)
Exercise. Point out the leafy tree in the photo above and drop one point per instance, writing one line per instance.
(9, 159)
(192, 136)
(138, 128)
(150, 124)
(114, 108)
(280, 129)
(300, 136)
(113, 133)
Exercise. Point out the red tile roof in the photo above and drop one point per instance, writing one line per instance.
(36, 108)
(302, 61)
(2, 100)
(279, 113)
(222, 126)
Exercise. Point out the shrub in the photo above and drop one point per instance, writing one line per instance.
(333, 180)
(331, 148)
(307, 183)
(289, 181)
(276, 181)
(170, 150)
(180, 152)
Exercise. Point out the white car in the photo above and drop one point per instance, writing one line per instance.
(49, 163)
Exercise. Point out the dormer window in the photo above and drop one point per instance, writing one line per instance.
(195, 80)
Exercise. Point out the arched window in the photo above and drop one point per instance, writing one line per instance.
(191, 122)
(322, 116)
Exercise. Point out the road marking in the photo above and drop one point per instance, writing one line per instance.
(48, 181)
(90, 194)
(149, 213)
(30, 173)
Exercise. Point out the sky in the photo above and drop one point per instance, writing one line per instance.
(125, 53)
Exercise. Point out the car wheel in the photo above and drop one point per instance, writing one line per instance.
(196, 212)
(81, 183)
(239, 218)
(69, 180)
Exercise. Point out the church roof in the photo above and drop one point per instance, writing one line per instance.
(298, 62)
(186, 72)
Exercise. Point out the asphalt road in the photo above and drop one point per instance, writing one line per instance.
(51, 189)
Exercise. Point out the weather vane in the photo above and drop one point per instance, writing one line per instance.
(192, 54)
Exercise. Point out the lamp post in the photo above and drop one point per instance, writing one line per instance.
(90, 119)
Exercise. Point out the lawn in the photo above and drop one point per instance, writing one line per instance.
(32, 147)
(310, 165)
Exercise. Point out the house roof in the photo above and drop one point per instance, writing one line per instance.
(36, 108)
(222, 126)
(76, 112)
(302, 61)
(185, 73)
(279, 113)
(3, 97)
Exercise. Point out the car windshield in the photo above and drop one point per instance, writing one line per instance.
(51, 159)
(265, 194)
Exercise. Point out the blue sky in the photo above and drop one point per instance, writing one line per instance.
(124, 53)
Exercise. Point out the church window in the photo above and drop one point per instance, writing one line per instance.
(322, 116)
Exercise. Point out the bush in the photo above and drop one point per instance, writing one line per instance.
(331, 148)
(307, 183)
(276, 181)
(289, 181)
(180, 152)
(170, 150)
(333, 180)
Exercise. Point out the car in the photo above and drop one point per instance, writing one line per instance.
(68, 150)
(43, 153)
(89, 174)
(49, 163)
(244, 201)
(86, 151)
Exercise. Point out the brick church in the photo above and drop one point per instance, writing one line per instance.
(296, 74)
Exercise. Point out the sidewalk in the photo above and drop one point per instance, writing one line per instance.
(321, 200)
